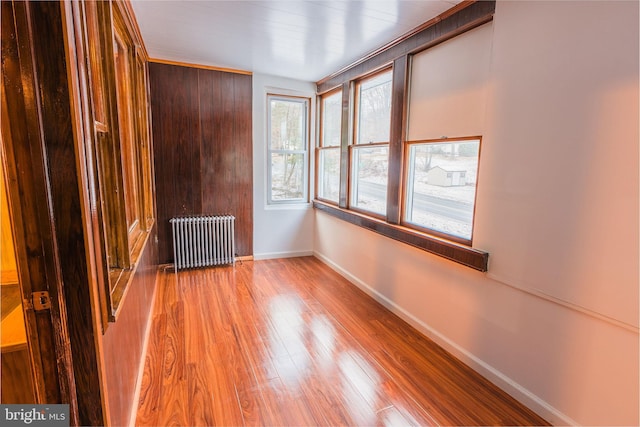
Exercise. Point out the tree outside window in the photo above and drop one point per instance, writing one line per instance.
(288, 141)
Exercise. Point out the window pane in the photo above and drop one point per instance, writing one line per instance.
(287, 176)
(369, 179)
(329, 174)
(374, 109)
(331, 120)
(288, 124)
(442, 186)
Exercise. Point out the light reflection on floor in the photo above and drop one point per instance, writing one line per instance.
(359, 382)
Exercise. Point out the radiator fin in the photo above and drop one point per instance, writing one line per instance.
(201, 241)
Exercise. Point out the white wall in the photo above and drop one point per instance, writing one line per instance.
(555, 320)
(278, 230)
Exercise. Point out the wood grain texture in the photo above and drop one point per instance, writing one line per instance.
(17, 385)
(175, 129)
(203, 148)
(124, 340)
(290, 342)
(451, 250)
(396, 138)
(226, 150)
(62, 177)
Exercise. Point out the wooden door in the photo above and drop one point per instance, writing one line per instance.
(45, 340)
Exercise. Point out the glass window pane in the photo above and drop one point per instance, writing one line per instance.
(442, 186)
(287, 176)
(374, 109)
(329, 174)
(369, 178)
(331, 120)
(287, 124)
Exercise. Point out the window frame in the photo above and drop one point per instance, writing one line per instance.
(409, 185)
(119, 110)
(305, 153)
(450, 24)
(322, 148)
(354, 134)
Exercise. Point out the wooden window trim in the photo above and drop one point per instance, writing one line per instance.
(129, 143)
(408, 144)
(459, 19)
(445, 248)
(320, 147)
(121, 136)
(387, 68)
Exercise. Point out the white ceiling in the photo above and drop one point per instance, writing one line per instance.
(304, 40)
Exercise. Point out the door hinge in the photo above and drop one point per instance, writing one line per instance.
(40, 300)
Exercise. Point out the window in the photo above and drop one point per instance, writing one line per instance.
(288, 141)
(329, 151)
(441, 186)
(370, 152)
(122, 146)
(414, 136)
(128, 146)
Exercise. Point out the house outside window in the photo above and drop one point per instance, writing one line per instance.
(441, 186)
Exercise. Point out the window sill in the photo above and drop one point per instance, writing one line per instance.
(453, 251)
(121, 278)
(285, 206)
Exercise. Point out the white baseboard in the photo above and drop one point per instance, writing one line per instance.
(274, 255)
(143, 355)
(520, 393)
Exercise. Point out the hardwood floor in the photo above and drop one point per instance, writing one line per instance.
(290, 342)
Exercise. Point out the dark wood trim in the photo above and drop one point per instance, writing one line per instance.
(397, 135)
(48, 26)
(344, 145)
(456, 252)
(200, 66)
(24, 162)
(457, 20)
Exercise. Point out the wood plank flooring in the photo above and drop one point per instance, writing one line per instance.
(290, 342)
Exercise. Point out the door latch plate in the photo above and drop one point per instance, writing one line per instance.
(41, 300)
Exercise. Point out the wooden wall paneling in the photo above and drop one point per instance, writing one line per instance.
(220, 146)
(215, 108)
(226, 163)
(176, 133)
(243, 182)
(201, 122)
